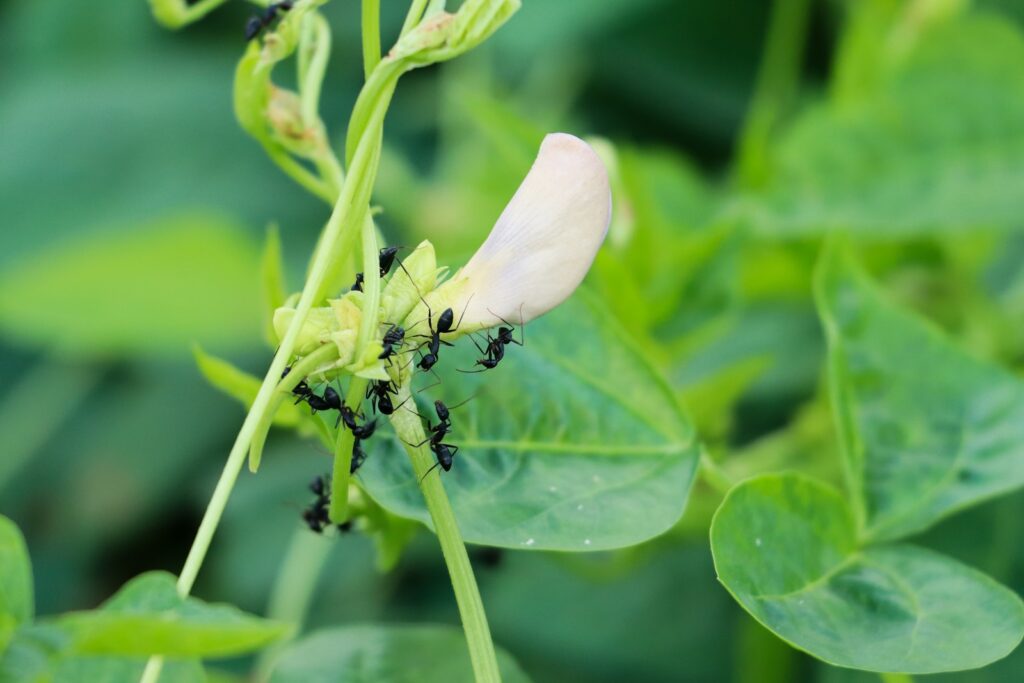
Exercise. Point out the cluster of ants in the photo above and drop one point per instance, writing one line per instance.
(258, 22)
(380, 392)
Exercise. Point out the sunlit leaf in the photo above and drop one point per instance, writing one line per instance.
(926, 429)
(572, 443)
(155, 290)
(785, 546)
(384, 654)
(147, 616)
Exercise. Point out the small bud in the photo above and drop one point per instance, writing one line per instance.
(317, 330)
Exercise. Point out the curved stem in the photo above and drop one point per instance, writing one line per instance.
(371, 35)
(409, 429)
(413, 16)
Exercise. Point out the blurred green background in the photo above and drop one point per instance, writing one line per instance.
(133, 213)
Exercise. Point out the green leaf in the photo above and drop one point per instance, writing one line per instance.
(384, 654)
(154, 290)
(937, 145)
(572, 443)
(926, 429)
(785, 547)
(16, 598)
(148, 617)
(41, 654)
(242, 386)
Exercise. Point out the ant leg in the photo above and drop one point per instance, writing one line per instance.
(459, 405)
(432, 468)
(429, 386)
(522, 325)
(462, 315)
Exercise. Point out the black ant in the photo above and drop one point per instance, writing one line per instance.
(380, 393)
(444, 452)
(358, 456)
(494, 352)
(394, 337)
(301, 389)
(316, 516)
(444, 325)
(385, 260)
(347, 416)
(258, 22)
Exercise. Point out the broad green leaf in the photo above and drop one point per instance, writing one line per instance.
(785, 546)
(926, 429)
(16, 597)
(937, 145)
(384, 654)
(154, 290)
(242, 386)
(147, 617)
(42, 654)
(572, 443)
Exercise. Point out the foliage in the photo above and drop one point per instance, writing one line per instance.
(854, 403)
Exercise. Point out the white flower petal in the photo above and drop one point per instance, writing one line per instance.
(544, 241)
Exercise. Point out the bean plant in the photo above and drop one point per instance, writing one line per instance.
(508, 404)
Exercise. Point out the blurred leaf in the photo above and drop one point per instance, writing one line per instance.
(148, 617)
(273, 280)
(16, 597)
(384, 654)
(242, 386)
(122, 670)
(926, 429)
(40, 654)
(785, 546)
(178, 280)
(938, 145)
(573, 443)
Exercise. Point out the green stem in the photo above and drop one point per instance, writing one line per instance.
(714, 475)
(338, 235)
(776, 84)
(409, 429)
(413, 16)
(367, 328)
(294, 587)
(371, 36)
(338, 511)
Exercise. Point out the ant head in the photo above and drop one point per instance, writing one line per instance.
(428, 361)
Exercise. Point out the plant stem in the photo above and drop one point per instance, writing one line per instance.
(371, 36)
(413, 16)
(776, 84)
(338, 511)
(409, 429)
(294, 587)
